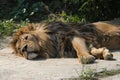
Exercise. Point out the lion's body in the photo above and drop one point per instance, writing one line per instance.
(101, 34)
(56, 39)
(112, 35)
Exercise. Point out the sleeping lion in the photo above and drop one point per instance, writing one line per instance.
(57, 39)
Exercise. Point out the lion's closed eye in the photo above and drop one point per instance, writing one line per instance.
(18, 48)
(26, 37)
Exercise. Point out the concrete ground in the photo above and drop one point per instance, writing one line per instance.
(116, 77)
(17, 68)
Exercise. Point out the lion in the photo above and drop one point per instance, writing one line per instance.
(58, 39)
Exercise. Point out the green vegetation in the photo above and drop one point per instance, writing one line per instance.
(70, 10)
(55, 10)
(7, 27)
(88, 75)
(107, 73)
(92, 75)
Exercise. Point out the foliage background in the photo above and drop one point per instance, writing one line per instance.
(52, 10)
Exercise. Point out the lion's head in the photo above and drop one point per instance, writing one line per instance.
(33, 41)
(27, 46)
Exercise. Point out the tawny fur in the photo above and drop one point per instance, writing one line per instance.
(58, 39)
(101, 53)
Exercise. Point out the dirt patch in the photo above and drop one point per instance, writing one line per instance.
(17, 68)
(4, 42)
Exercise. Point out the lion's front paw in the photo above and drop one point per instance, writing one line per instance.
(87, 59)
(108, 56)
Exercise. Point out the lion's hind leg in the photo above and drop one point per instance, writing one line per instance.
(102, 53)
(81, 49)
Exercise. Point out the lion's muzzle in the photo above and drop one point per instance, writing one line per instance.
(28, 54)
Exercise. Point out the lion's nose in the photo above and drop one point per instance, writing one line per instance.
(24, 48)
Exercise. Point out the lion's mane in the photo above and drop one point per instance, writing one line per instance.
(55, 41)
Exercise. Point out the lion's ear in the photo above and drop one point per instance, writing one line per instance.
(25, 29)
(30, 27)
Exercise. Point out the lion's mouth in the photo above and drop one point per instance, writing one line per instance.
(31, 55)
